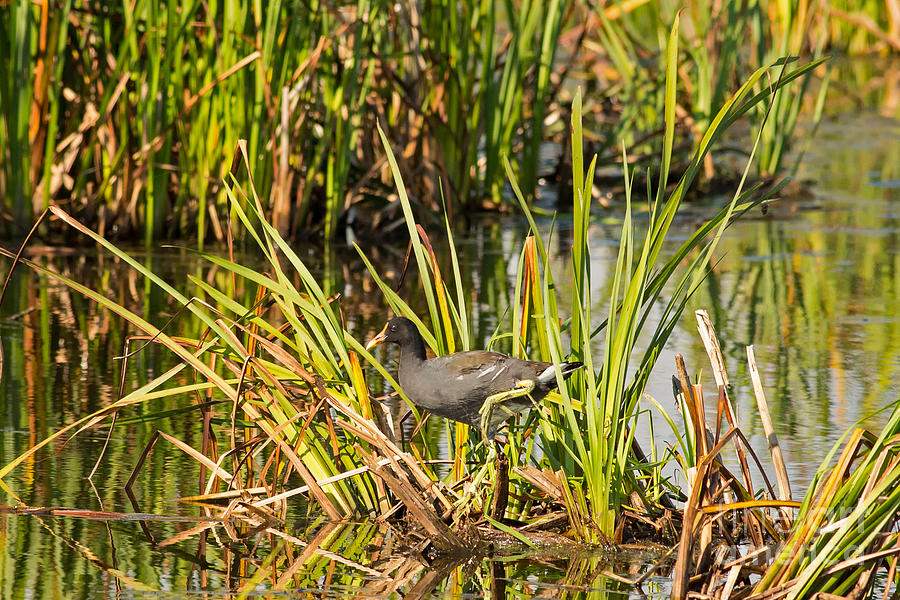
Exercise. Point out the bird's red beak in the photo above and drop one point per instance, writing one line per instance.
(378, 339)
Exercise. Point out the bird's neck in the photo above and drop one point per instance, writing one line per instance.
(413, 351)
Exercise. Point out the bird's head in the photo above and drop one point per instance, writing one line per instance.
(396, 331)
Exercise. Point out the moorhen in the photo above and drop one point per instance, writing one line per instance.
(480, 388)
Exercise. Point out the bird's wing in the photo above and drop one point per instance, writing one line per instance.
(476, 363)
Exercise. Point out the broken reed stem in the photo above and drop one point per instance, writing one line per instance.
(784, 485)
(694, 407)
(711, 344)
(717, 360)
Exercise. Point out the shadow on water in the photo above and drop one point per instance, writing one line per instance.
(812, 284)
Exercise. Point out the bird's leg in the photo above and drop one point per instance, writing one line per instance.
(523, 387)
(479, 477)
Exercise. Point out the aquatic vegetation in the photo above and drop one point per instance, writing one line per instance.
(278, 380)
(843, 536)
(127, 111)
(724, 44)
(279, 353)
(147, 100)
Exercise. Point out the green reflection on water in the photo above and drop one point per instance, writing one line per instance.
(814, 286)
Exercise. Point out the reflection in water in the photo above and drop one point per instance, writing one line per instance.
(105, 555)
(813, 285)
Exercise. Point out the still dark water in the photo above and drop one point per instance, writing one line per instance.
(813, 285)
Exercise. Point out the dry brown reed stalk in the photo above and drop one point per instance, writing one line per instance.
(784, 485)
(843, 538)
(724, 408)
(702, 565)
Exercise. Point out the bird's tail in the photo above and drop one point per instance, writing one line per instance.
(548, 377)
(568, 368)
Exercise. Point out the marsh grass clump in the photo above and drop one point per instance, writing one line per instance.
(745, 539)
(126, 113)
(276, 349)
